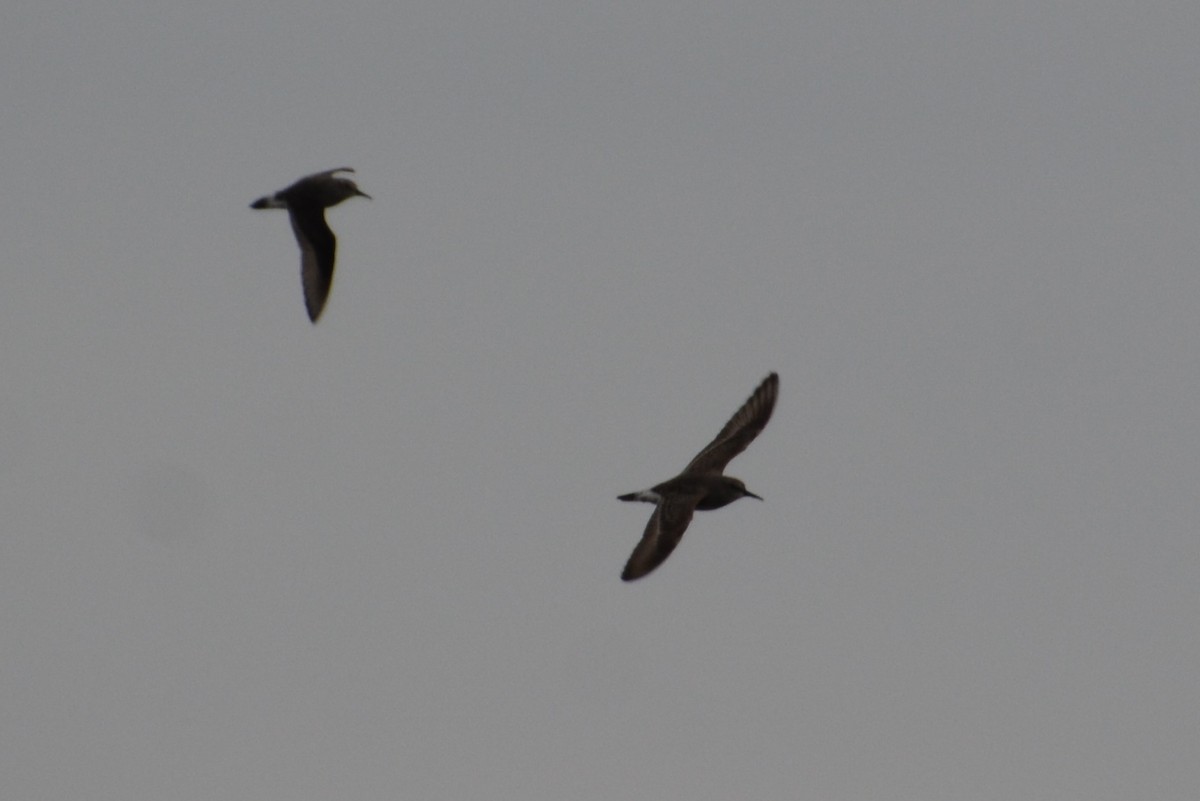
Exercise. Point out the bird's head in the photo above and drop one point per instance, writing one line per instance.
(740, 486)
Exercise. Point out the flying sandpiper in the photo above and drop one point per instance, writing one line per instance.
(701, 485)
(306, 201)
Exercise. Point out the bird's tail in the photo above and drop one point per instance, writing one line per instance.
(269, 202)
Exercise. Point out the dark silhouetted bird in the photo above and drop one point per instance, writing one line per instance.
(306, 201)
(701, 485)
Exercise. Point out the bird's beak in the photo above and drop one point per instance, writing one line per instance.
(751, 494)
(364, 194)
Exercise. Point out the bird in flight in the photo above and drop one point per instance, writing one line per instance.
(701, 485)
(306, 201)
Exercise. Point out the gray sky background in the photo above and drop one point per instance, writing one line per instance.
(245, 558)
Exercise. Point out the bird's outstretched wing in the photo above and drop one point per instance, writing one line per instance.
(740, 431)
(317, 250)
(663, 532)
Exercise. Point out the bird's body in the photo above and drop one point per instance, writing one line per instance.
(702, 484)
(713, 491)
(306, 201)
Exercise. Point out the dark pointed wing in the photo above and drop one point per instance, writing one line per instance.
(740, 431)
(663, 532)
(317, 249)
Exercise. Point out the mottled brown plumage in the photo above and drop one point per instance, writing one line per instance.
(701, 485)
(306, 201)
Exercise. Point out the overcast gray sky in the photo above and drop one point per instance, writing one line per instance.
(243, 557)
